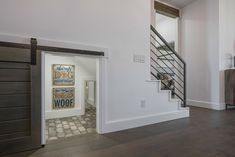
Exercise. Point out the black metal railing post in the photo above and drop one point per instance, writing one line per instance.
(185, 86)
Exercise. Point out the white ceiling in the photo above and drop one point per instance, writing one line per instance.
(178, 3)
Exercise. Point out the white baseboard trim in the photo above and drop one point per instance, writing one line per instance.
(63, 113)
(204, 104)
(124, 124)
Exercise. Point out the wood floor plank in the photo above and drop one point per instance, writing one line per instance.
(16, 75)
(16, 100)
(15, 113)
(9, 127)
(15, 54)
(15, 135)
(14, 88)
(6, 65)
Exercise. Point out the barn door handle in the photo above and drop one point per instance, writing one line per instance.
(33, 42)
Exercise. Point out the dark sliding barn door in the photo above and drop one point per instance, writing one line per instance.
(20, 100)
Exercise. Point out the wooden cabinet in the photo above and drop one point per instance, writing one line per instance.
(230, 87)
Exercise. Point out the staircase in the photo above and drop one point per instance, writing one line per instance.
(167, 67)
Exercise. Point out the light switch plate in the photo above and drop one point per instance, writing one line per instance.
(139, 58)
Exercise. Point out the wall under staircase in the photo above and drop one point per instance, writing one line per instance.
(163, 108)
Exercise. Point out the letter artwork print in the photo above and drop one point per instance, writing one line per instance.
(63, 98)
(63, 75)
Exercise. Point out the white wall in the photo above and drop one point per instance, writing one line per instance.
(121, 26)
(227, 33)
(200, 48)
(85, 69)
(208, 43)
(227, 39)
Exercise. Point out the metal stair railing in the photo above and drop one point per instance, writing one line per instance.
(167, 65)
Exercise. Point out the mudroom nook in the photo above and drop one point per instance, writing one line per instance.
(69, 92)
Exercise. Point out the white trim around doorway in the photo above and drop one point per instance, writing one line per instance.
(100, 86)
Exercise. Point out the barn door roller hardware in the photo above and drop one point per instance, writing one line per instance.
(34, 47)
(33, 42)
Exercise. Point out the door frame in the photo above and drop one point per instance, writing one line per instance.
(100, 91)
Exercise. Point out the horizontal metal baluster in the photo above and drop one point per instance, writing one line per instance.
(167, 72)
(165, 51)
(172, 78)
(165, 58)
(166, 86)
(165, 42)
(170, 69)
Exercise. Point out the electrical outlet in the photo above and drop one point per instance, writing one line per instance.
(143, 104)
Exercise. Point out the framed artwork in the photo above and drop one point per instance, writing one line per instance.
(63, 74)
(63, 98)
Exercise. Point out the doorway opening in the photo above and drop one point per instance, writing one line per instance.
(70, 95)
(168, 28)
(165, 63)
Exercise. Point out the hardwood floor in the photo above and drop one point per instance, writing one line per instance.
(206, 133)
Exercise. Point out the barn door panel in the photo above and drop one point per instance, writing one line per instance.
(20, 105)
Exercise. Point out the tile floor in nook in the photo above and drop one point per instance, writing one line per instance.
(71, 126)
